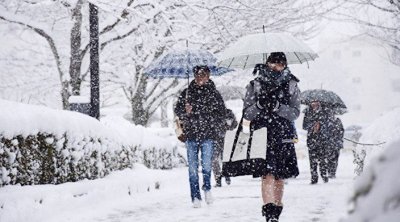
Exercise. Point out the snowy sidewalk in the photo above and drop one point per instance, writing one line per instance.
(131, 195)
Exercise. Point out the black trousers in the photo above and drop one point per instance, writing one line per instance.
(318, 159)
(333, 158)
(217, 157)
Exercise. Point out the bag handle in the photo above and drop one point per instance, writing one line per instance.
(239, 129)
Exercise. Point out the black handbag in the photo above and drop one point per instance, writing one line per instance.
(244, 153)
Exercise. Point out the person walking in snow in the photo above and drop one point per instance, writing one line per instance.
(228, 122)
(200, 108)
(272, 100)
(317, 122)
(335, 145)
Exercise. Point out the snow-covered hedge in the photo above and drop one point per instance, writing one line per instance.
(39, 145)
(45, 158)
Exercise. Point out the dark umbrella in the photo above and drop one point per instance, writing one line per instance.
(326, 97)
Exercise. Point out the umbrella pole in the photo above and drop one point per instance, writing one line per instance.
(187, 85)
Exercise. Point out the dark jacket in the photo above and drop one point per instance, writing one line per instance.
(337, 131)
(208, 111)
(323, 137)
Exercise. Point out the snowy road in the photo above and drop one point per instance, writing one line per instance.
(130, 195)
(241, 201)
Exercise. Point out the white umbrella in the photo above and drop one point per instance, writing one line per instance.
(255, 48)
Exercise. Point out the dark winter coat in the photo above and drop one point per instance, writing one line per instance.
(337, 132)
(324, 136)
(281, 158)
(208, 111)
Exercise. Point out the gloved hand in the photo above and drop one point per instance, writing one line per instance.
(269, 103)
(270, 86)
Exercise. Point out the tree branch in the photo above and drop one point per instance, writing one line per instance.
(162, 92)
(48, 38)
(154, 89)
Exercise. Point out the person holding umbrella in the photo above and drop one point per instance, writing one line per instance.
(273, 100)
(200, 107)
(324, 131)
(317, 121)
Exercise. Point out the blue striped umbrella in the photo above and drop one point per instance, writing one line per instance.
(179, 64)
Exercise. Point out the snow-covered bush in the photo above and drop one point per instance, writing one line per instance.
(377, 191)
(382, 131)
(39, 145)
(45, 158)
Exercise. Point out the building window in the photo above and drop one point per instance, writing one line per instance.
(337, 54)
(356, 80)
(357, 53)
(396, 85)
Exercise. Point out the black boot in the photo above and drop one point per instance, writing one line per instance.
(228, 180)
(218, 182)
(314, 179)
(271, 212)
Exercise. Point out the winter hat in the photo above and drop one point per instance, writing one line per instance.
(277, 57)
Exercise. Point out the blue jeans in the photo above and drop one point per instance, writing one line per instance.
(193, 147)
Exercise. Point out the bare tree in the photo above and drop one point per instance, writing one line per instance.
(133, 33)
(129, 20)
(379, 19)
(227, 20)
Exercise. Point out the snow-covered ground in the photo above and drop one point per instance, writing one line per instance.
(142, 194)
(131, 195)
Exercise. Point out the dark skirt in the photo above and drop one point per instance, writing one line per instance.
(281, 160)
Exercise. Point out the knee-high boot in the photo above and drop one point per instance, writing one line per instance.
(271, 212)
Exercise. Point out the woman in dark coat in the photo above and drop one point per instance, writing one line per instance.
(272, 100)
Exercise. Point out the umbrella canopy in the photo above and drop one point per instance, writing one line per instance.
(253, 49)
(179, 64)
(326, 97)
(336, 111)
